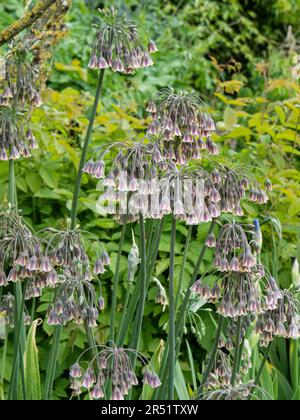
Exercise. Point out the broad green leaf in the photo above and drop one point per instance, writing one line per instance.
(31, 365)
(33, 181)
(155, 365)
(230, 118)
(50, 177)
(180, 383)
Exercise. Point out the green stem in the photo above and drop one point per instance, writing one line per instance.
(19, 344)
(19, 331)
(151, 259)
(135, 340)
(212, 356)
(172, 352)
(237, 351)
(185, 254)
(85, 149)
(4, 354)
(115, 286)
(241, 352)
(263, 362)
(181, 317)
(261, 368)
(51, 368)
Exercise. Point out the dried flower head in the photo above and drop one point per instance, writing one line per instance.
(182, 124)
(110, 364)
(133, 260)
(161, 294)
(20, 76)
(283, 321)
(120, 44)
(16, 137)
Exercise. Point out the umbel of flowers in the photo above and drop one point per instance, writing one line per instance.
(109, 364)
(75, 297)
(182, 124)
(18, 96)
(120, 44)
(7, 312)
(241, 286)
(22, 256)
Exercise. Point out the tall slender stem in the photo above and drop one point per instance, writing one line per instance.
(134, 344)
(237, 351)
(85, 150)
(115, 286)
(185, 254)
(151, 259)
(262, 365)
(212, 356)
(181, 317)
(172, 352)
(19, 331)
(51, 368)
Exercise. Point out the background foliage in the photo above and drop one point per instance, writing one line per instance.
(236, 55)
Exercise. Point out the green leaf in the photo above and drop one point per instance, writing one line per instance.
(31, 364)
(230, 118)
(33, 181)
(180, 384)
(155, 365)
(50, 177)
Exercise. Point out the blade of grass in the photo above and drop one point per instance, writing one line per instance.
(172, 336)
(115, 287)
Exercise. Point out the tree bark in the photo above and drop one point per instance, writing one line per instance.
(27, 20)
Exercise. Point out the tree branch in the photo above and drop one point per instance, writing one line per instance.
(27, 20)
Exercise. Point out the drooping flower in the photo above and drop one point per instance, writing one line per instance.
(75, 300)
(110, 364)
(21, 254)
(7, 312)
(233, 248)
(16, 138)
(181, 122)
(234, 184)
(283, 321)
(120, 44)
(20, 77)
(65, 249)
(240, 294)
(129, 182)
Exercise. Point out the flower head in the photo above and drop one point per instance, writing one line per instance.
(129, 182)
(234, 248)
(75, 300)
(16, 138)
(110, 364)
(235, 184)
(282, 321)
(7, 312)
(19, 83)
(240, 294)
(21, 254)
(120, 44)
(182, 124)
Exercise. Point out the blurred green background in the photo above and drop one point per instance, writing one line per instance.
(242, 57)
